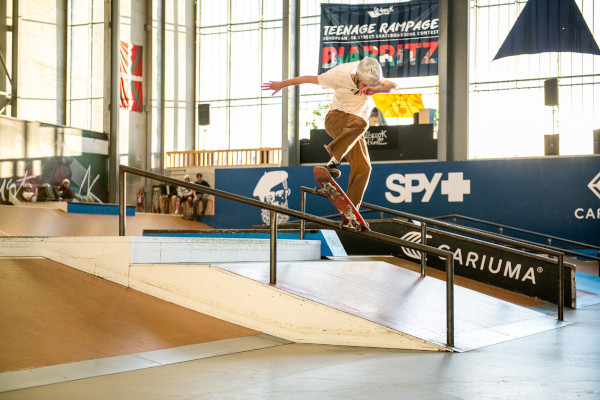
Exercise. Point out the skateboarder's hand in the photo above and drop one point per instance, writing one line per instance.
(368, 91)
(273, 85)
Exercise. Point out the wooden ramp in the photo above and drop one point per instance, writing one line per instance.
(373, 304)
(341, 302)
(404, 301)
(38, 220)
(52, 314)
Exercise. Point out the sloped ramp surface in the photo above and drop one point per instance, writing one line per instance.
(372, 304)
(403, 301)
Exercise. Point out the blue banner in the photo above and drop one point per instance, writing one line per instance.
(403, 37)
(555, 196)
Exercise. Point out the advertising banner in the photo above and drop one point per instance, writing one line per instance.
(557, 196)
(403, 37)
(482, 261)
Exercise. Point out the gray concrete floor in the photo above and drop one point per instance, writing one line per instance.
(561, 363)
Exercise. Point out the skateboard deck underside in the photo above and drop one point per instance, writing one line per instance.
(338, 198)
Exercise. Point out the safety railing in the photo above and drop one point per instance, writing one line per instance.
(223, 158)
(549, 238)
(425, 222)
(301, 215)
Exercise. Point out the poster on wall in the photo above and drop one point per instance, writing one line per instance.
(403, 37)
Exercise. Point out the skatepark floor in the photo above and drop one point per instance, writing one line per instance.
(557, 364)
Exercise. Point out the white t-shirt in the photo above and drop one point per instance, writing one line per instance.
(339, 79)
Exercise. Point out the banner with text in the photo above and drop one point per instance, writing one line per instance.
(558, 196)
(403, 37)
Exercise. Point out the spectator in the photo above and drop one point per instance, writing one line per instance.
(201, 197)
(64, 192)
(46, 193)
(28, 193)
(164, 198)
(185, 194)
(170, 193)
(376, 118)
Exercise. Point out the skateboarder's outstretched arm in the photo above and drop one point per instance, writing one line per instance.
(276, 86)
(384, 87)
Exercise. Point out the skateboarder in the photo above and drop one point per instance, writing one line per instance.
(347, 120)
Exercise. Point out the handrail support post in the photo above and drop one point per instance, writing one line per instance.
(450, 300)
(423, 254)
(273, 258)
(302, 209)
(561, 289)
(122, 207)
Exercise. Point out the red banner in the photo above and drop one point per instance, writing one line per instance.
(131, 77)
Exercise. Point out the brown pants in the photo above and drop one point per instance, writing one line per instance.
(347, 131)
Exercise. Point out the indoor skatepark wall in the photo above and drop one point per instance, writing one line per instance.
(41, 153)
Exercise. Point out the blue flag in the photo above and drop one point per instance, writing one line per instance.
(549, 26)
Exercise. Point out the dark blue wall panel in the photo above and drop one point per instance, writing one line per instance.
(557, 196)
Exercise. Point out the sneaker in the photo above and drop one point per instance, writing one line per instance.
(333, 170)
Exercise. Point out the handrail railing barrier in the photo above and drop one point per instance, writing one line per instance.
(549, 238)
(301, 215)
(459, 228)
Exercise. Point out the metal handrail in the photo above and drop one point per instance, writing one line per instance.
(490, 236)
(549, 238)
(275, 209)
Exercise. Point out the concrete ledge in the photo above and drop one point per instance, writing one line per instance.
(330, 243)
(152, 250)
(110, 257)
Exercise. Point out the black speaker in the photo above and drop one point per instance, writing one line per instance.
(596, 141)
(551, 92)
(551, 145)
(203, 114)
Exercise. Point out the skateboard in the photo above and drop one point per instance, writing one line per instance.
(351, 216)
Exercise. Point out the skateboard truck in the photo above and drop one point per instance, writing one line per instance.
(329, 188)
(353, 222)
